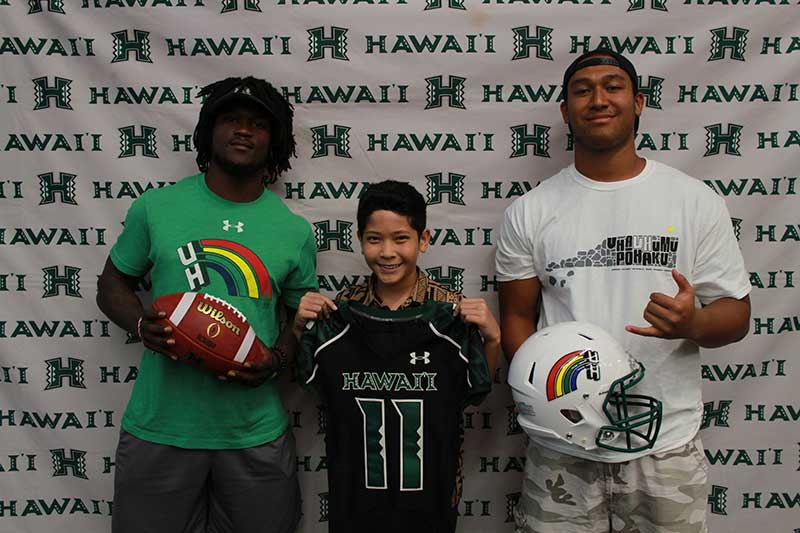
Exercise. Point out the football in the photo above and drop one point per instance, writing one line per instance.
(210, 333)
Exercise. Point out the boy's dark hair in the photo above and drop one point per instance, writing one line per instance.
(254, 91)
(395, 196)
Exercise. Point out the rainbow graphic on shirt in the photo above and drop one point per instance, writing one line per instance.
(563, 377)
(243, 273)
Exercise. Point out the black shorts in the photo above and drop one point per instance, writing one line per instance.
(160, 488)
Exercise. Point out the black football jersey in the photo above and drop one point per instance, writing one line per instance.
(395, 384)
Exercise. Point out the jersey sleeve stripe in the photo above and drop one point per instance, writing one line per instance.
(321, 347)
(313, 375)
(331, 341)
(448, 339)
(454, 343)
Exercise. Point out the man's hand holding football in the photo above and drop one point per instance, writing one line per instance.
(154, 334)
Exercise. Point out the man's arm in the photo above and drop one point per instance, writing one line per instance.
(721, 322)
(519, 301)
(116, 297)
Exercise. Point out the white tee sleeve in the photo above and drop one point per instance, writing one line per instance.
(719, 269)
(514, 257)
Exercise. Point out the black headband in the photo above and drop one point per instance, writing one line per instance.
(602, 57)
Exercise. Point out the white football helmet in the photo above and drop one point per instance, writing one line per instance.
(572, 381)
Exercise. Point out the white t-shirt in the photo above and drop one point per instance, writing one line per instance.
(600, 249)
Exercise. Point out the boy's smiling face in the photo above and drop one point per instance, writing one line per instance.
(391, 247)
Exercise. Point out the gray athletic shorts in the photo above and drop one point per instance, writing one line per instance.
(164, 489)
(659, 493)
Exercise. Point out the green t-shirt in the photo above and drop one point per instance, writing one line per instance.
(252, 255)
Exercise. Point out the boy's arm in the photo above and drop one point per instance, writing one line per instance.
(312, 307)
(476, 311)
(493, 350)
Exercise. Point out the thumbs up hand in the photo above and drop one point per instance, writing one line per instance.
(670, 317)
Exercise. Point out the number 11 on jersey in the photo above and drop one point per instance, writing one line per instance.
(410, 440)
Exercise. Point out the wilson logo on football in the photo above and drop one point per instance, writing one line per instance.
(219, 316)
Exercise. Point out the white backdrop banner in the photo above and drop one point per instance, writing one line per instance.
(98, 100)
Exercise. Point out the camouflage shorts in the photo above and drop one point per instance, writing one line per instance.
(658, 493)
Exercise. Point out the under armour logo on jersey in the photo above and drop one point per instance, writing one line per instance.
(425, 358)
(226, 225)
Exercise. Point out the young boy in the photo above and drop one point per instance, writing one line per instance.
(392, 230)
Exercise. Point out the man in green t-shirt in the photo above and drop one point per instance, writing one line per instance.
(199, 452)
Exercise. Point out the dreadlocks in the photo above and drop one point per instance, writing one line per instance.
(281, 146)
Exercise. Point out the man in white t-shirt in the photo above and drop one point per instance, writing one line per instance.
(647, 253)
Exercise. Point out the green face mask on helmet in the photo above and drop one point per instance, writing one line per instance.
(573, 382)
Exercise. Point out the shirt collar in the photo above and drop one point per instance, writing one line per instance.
(416, 298)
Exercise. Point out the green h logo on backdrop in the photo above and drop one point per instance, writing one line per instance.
(342, 235)
(736, 223)
(64, 187)
(57, 373)
(70, 281)
(721, 42)
(730, 139)
(718, 414)
(651, 91)
(323, 506)
(521, 139)
(718, 500)
(139, 46)
(453, 279)
(513, 425)
(437, 4)
(322, 141)
(512, 502)
(130, 141)
(76, 462)
(233, 5)
(437, 187)
(318, 42)
(638, 5)
(542, 42)
(322, 420)
(60, 92)
(53, 6)
(437, 90)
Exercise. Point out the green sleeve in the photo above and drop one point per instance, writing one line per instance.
(480, 381)
(131, 253)
(303, 278)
